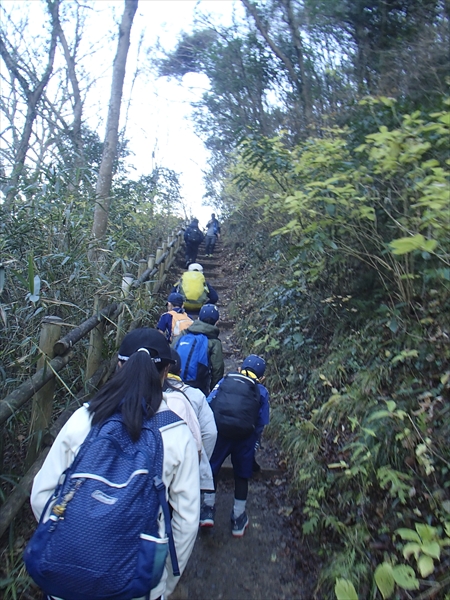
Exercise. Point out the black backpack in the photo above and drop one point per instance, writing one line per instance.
(194, 235)
(236, 406)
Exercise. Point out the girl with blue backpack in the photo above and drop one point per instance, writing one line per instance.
(126, 428)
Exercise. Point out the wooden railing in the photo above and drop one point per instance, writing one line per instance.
(56, 353)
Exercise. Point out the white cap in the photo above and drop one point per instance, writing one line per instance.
(195, 267)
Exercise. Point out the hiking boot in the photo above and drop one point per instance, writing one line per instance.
(239, 525)
(207, 515)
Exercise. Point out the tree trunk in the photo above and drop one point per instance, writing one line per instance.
(299, 84)
(105, 174)
(298, 44)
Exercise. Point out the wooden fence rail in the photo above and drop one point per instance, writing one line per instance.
(153, 278)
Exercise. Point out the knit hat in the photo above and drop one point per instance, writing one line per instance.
(146, 339)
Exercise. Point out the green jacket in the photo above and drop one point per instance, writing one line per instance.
(214, 347)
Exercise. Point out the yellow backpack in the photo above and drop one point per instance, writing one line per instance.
(193, 287)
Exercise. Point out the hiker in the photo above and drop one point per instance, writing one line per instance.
(194, 288)
(175, 386)
(212, 234)
(172, 322)
(131, 400)
(193, 237)
(179, 403)
(240, 403)
(200, 350)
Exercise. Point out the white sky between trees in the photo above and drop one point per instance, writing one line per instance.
(157, 112)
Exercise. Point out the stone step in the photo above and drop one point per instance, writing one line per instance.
(226, 472)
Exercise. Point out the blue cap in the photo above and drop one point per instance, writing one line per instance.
(208, 311)
(176, 299)
(256, 364)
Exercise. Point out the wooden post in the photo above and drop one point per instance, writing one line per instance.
(95, 350)
(42, 404)
(162, 267)
(157, 283)
(141, 292)
(127, 280)
(171, 251)
(150, 265)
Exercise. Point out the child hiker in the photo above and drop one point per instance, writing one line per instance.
(172, 322)
(133, 398)
(200, 351)
(241, 408)
(174, 387)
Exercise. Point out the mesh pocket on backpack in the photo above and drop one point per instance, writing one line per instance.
(152, 558)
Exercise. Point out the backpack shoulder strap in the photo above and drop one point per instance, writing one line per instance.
(156, 423)
(189, 358)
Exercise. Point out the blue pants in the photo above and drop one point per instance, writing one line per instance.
(242, 455)
(191, 252)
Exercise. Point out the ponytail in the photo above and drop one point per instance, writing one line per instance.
(134, 390)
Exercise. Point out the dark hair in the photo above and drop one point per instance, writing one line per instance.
(135, 390)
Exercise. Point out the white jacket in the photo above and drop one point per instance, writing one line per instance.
(182, 407)
(180, 476)
(207, 423)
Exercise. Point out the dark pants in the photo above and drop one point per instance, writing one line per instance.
(210, 242)
(191, 252)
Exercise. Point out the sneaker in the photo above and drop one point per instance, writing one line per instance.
(239, 525)
(207, 515)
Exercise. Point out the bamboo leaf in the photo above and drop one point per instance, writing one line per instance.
(30, 274)
(2, 277)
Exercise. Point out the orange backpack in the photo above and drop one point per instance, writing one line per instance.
(180, 321)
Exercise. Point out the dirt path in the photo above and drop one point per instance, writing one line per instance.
(266, 563)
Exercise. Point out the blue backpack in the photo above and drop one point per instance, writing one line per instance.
(195, 369)
(101, 541)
